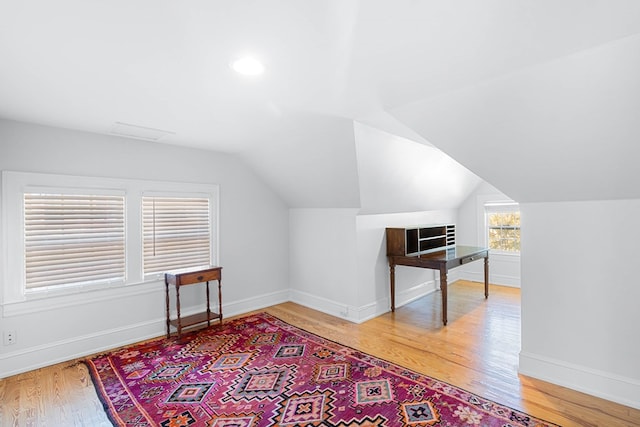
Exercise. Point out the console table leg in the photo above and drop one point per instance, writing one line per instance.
(208, 307)
(178, 311)
(486, 277)
(392, 276)
(443, 289)
(220, 298)
(166, 286)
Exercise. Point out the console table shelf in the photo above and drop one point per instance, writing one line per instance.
(184, 277)
(194, 319)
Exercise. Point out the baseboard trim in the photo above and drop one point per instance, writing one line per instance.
(494, 279)
(362, 313)
(28, 359)
(597, 383)
(238, 307)
(36, 357)
(325, 305)
(616, 388)
(409, 295)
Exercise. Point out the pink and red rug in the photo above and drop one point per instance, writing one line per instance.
(260, 371)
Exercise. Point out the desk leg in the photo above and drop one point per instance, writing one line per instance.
(486, 277)
(443, 290)
(392, 276)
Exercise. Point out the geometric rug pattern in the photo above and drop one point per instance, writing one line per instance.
(260, 371)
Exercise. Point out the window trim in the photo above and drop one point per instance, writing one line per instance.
(502, 206)
(15, 184)
(213, 215)
(33, 195)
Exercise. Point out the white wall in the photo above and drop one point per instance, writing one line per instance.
(338, 261)
(373, 266)
(322, 260)
(310, 161)
(580, 296)
(504, 269)
(253, 243)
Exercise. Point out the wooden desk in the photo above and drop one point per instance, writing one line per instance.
(190, 276)
(441, 260)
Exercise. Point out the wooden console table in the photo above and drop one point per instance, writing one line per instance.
(191, 276)
(431, 247)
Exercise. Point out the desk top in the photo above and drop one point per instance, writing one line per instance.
(454, 252)
(446, 258)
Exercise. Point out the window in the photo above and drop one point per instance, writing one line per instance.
(72, 239)
(503, 226)
(176, 233)
(65, 235)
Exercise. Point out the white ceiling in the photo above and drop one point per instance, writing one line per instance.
(439, 72)
(398, 175)
(568, 129)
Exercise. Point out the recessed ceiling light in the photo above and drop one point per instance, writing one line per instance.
(248, 66)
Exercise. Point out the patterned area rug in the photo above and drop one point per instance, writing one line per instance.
(261, 371)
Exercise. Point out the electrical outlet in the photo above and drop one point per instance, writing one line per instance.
(9, 337)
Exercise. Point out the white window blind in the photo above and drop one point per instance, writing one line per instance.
(73, 239)
(176, 233)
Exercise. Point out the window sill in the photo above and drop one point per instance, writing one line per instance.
(497, 252)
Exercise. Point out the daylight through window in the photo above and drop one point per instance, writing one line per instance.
(503, 226)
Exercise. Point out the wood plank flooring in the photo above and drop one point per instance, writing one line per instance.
(477, 350)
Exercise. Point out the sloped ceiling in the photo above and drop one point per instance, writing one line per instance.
(399, 175)
(533, 96)
(564, 130)
(310, 160)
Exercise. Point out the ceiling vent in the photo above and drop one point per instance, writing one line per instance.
(139, 132)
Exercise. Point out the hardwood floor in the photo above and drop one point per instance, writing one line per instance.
(55, 396)
(477, 350)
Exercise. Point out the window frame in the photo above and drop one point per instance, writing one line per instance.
(212, 218)
(73, 192)
(503, 206)
(15, 184)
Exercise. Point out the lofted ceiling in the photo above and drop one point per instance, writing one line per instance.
(540, 98)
